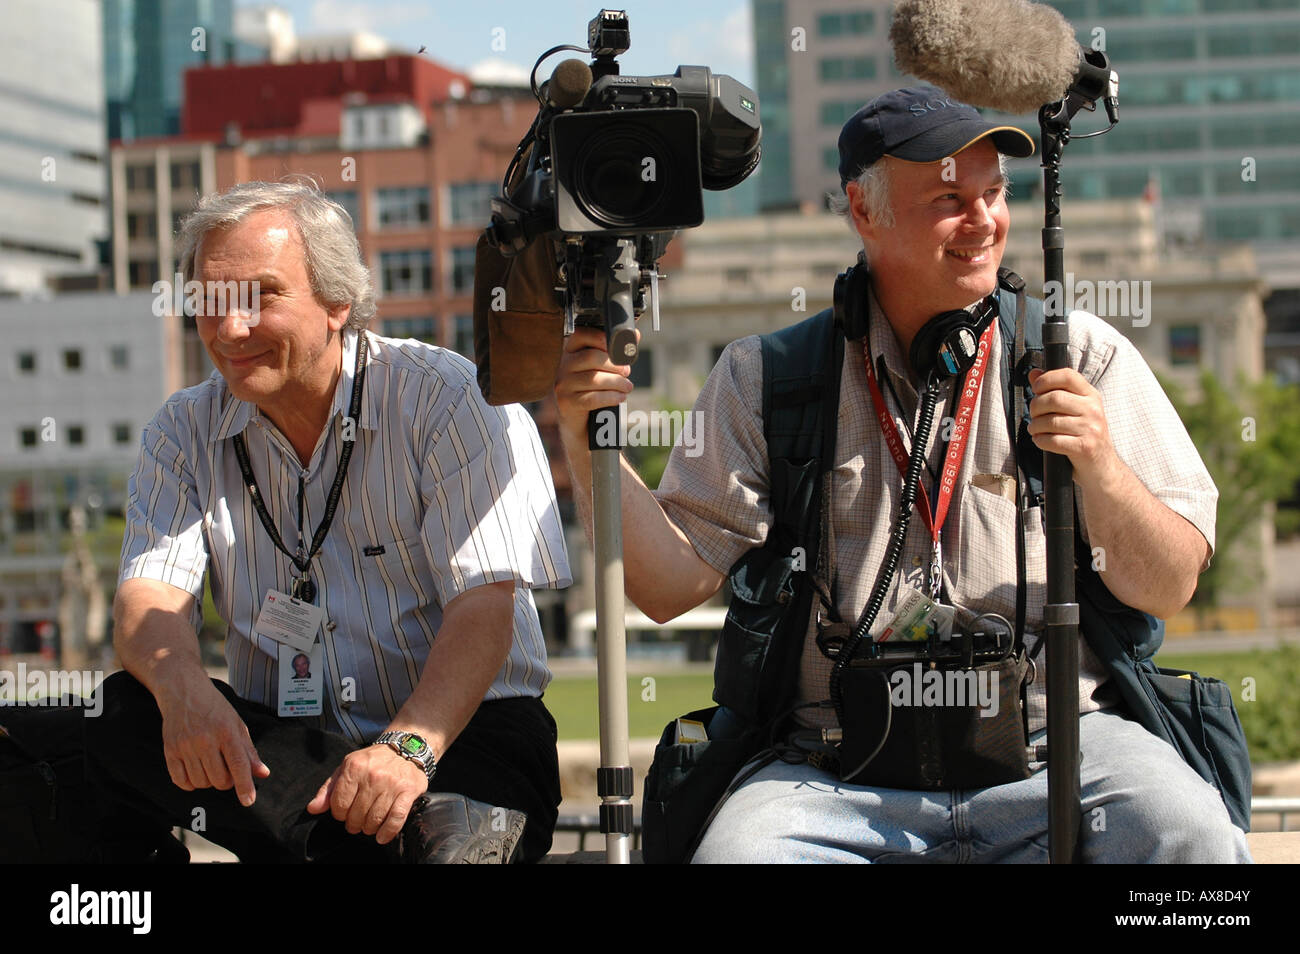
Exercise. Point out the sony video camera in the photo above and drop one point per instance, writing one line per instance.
(614, 166)
(626, 154)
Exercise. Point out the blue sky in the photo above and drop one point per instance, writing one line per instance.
(665, 33)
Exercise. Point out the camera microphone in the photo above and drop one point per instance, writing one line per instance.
(1009, 55)
(568, 86)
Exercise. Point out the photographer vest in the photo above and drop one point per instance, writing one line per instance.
(758, 656)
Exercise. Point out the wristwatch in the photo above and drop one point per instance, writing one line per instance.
(412, 748)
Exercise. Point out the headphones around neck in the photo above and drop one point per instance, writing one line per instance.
(945, 346)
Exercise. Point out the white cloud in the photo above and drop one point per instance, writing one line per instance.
(342, 16)
(495, 71)
(726, 45)
(737, 33)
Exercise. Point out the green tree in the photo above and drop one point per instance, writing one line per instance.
(1250, 442)
(650, 461)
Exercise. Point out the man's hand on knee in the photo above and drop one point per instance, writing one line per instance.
(371, 792)
(206, 745)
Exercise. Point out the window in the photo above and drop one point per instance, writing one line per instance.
(141, 225)
(71, 359)
(1025, 182)
(846, 24)
(834, 69)
(464, 325)
(121, 433)
(1185, 344)
(142, 274)
(1272, 40)
(838, 112)
(407, 272)
(423, 329)
(140, 177)
(118, 357)
(402, 208)
(27, 362)
(462, 270)
(76, 435)
(471, 203)
(348, 199)
(30, 521)
(27, 437)
(186, 175)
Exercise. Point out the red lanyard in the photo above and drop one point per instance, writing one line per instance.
(952, 459)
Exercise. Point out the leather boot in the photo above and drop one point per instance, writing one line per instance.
(445, 829)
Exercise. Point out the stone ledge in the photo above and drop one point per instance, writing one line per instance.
(1275, 847)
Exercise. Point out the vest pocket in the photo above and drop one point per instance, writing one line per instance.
(762, 589)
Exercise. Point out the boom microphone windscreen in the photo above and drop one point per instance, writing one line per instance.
(569, 84)
(1009, 55)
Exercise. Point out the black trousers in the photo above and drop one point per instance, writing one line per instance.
(505, 756)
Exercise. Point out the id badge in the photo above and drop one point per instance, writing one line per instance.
(301, 681)
(918, 618)
(289, 621)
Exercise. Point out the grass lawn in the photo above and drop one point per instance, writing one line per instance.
(1271, 719)
(572, 700)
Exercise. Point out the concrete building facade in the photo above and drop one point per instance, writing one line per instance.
(52, 150)
(1209, 105)
(82, 374)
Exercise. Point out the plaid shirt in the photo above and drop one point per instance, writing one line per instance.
(720, 498)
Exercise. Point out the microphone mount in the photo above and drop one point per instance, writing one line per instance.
(1094, 80)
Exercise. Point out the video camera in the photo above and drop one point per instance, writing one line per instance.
(615, 165)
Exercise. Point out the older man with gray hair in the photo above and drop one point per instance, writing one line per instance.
(353, 500)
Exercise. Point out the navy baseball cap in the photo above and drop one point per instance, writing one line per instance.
(919, 124)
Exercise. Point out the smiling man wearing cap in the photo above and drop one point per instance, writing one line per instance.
(925, 190)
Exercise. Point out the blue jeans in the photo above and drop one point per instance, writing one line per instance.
(1140, 801)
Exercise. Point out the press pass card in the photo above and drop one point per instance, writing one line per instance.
(289, 621)
(300, 681)
(918, 618)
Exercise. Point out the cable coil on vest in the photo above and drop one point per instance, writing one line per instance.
(911, 483)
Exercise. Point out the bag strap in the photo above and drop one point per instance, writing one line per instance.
(800, 407)
(1021, 331)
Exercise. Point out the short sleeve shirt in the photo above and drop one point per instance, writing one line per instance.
(720, 498)
(443, 493)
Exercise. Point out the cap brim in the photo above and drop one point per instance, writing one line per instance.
(936, 144)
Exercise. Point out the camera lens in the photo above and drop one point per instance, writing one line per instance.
(621, 176)
(626, 171)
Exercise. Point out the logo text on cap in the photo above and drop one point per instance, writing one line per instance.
(920, 109)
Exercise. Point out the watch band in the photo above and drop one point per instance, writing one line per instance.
(412, 748)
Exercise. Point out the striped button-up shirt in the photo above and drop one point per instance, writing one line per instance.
(443, 493)
(720, 498)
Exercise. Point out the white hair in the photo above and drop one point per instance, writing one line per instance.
(337, 273)
(874, 182)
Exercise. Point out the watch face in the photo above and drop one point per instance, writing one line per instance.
(413, 745)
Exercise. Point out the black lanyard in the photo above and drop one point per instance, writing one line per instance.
(304, 588)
